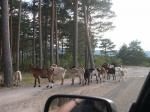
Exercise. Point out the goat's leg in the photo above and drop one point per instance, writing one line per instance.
(124, 79)
(62, 81)
(82, 82)
(100, 78)
(73, 76)
(53, 78)
(79, 80)
(50, 80)
(114, 78)
(91, 78)
(72, 81)
(85, 81)
(96, 79)
(19, 82)
(16, 82)
(103, 77)
(52, 84)
(108, 76)
(39, 81)
(121, 78)
(34, 82)
(63, 77)
(88, 80)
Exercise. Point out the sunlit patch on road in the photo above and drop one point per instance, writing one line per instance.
(142, 76)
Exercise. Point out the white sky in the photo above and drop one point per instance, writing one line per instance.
(132, 22)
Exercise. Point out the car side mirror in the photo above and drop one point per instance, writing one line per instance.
(77, 103)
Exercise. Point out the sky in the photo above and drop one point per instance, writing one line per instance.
(132, 23)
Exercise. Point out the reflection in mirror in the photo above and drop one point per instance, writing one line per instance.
(63, 104)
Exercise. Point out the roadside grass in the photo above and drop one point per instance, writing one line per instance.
(28, 79)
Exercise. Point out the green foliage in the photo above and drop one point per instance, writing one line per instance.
(132, 54)
(66, 60)
(123, 54)
(100, 60)
(107, 47)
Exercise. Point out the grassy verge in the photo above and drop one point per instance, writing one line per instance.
(28, 79)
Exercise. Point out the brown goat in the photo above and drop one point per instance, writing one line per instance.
(43, 73)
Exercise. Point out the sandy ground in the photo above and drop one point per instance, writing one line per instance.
(30, 99)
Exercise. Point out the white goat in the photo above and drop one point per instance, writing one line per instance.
(59, 72)
(123, 73)
(18, 77)
(77, 71)
(95, 72)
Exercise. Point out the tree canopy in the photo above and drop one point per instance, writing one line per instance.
(107, 47)
(132, 54)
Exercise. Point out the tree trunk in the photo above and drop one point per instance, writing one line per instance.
(46, 38)
(6, 52)
(40, 35)
(33, 47)
(75, 39)
(10, 25)
(86, 47)
(18, 38)
(52, 35)
(56, 36)
(87, 37)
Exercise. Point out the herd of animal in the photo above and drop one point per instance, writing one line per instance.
(101, 74)
(85, 74)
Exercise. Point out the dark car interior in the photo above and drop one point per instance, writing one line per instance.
(143, 101)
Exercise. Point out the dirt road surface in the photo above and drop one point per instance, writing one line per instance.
(30, 99)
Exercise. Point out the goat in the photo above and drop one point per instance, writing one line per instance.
(59, 72)
(93, 72)
(123, 72)
(102, 72)
(99, 73)
(77, 71)
(110, 70)
(87, 76)
(43, 73)
(18, 77)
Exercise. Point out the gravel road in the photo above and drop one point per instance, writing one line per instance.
(29, 99)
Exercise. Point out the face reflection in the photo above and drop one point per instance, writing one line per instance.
(100, 106)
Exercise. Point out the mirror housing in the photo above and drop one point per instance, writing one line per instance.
(56, 101)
